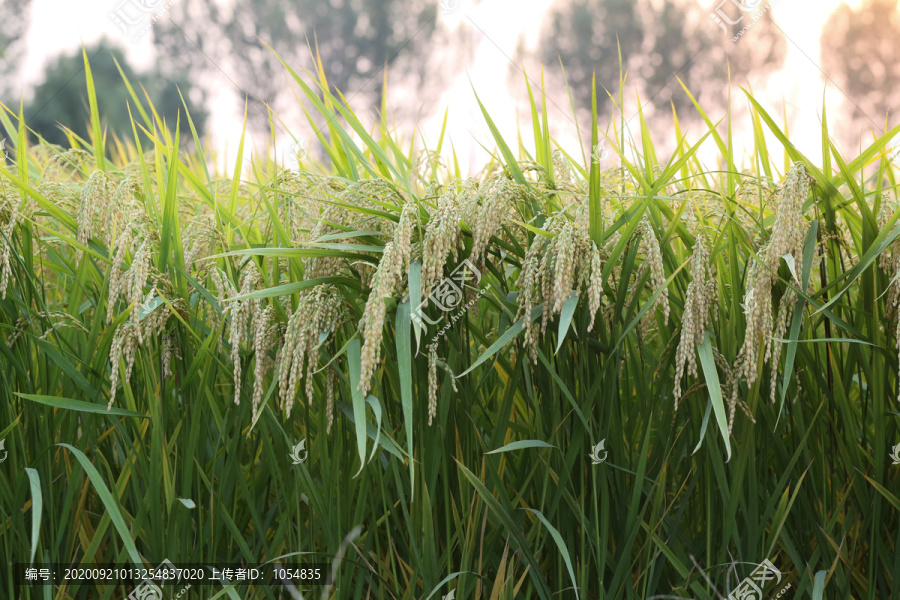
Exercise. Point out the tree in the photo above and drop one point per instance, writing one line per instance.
(659, 40)
(355, 38)
(688, 42)
(61, 99)
(586, 37)
(861, 56)
(13, 26)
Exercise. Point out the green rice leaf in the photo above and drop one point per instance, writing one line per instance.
(519, 445)
(561, 544)
(404, 366)
(359, 401)
(376, 408)
(415, 297)
(508, 336)
(809, 250)
(818, 590)
(565, 318)
(508, 156)
(512, 529)
(288, 289)
(110, 503)
(711, 375)
(80, 406)
(37, 508)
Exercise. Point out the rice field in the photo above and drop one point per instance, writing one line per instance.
(547, 379)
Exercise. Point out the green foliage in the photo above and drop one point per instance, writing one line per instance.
(137, 274)
(56, 103)
(655, 42)
(861, 58)
(354, 41)
(12, 31)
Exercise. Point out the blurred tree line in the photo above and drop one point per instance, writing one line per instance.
(655, 41)
(356, 41)
(13, 25)
(60, 101)
(861, 56)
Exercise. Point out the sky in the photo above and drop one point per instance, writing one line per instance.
(59, 26)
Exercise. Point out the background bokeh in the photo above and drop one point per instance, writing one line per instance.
(797, 57)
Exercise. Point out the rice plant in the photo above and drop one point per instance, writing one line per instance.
(542, 380)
